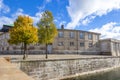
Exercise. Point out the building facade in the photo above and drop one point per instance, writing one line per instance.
(76, 41)
(110, 47)
(67, 41)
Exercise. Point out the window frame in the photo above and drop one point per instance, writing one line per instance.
(60, 34)
(90, 36)
(90, 44)
(72, 35)
(71, 43)
(82, 44)
(82, 35)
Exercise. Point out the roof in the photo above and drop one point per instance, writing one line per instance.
(9, 25)
(110, 39)
(79, 30)
(6, 27)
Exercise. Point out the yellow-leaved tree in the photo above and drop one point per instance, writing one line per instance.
(23, 32)
(47, 30)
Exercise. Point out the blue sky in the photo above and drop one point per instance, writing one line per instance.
(100, 16)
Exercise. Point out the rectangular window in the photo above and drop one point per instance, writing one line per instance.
(71, 43)
(60, 34)
(90, 36)
(60, 44)
(71, 34)
(90, 44)
(82, 44)
(97, 37)
(97, 44)
(82, 35)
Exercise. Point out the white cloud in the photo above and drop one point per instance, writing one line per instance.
(10, 20)
(37, 17)
(3, 8)
(79, 10)
(109, 30)
(18, 12)
(87, 20)
(41, 8)
(47, 1)
(5, 20)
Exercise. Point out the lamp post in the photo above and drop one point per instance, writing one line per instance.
(46, 42)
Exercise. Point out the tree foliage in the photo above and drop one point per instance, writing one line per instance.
(46, 29)
(23, 32)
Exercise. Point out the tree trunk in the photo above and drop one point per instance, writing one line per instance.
(25, 51)
(21, 47)
(46, 51)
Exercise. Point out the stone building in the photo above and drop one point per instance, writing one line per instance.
(67, 41)
(110, 47)
(76, 41)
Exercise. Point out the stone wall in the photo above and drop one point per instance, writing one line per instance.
(52, 69)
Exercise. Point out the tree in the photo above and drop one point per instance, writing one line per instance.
(46, 29)
(23, 32)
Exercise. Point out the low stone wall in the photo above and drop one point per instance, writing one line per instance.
(56, 69)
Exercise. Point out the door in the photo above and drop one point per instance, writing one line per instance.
(49, 48)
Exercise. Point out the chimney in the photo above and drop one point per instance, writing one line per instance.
(62, 26)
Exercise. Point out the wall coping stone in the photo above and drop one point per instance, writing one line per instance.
(46, 60)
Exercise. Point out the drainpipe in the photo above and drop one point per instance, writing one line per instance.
(77, 40)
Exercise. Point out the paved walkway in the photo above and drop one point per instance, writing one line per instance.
(9, 71)
(53, 56)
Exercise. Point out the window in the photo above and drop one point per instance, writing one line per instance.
(82, 35)
(60, 44)
(90, 36)
(60, 35)
(97, 44)
(7, 36)
(82, 44)
(8, 48)
(71, 34)
(97, 37)
(71, 43)
(90, 44)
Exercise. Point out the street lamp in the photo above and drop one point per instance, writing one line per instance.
(46, 42)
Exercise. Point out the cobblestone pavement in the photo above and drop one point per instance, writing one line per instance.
(52, 56)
